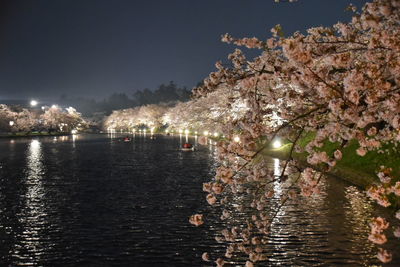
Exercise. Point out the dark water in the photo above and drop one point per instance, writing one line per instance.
(94, 201)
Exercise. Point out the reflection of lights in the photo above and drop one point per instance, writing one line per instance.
(236, 139)
(205, 133)
(187, 131)
(277, 167)
(34, 146)
(358, 209)
(278, 186)
(33, 210)
(34, 103)
(276, 144)
(216, 134)
(152, 130)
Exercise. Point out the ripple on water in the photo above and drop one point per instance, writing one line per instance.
(94, 201)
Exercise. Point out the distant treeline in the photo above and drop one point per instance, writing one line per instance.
(164, 93)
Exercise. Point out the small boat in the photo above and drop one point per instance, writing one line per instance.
(127, 139)
(187, 147)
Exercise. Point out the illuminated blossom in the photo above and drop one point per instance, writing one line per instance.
(220, 262)
(377, 238)
(361, 151)
(338, 154)
(211, 199)
(205, 256)
(203, 140)
(384, 256)
(196, 219)
(396, 232)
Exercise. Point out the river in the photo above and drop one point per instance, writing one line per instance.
(93, 200)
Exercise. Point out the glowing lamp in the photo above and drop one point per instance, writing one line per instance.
(276, 144)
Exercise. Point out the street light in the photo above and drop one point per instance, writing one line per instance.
(276, 144)
(34, 103)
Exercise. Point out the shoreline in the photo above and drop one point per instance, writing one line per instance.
(8, 135)
(352, 175)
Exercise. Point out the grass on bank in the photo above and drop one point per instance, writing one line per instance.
(358, 170)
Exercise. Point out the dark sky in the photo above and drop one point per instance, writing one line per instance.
(96, 47)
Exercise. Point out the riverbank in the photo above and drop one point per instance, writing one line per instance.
(360, 171)
(32, 134)
(357, 177)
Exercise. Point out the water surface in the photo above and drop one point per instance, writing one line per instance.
(92, 200)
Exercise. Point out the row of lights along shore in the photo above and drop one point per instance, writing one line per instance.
(276, 144)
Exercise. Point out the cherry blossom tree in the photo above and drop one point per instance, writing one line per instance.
(340, 82)
(56, 119)
(149, 116)
(7, 118)
(210, 113)
(17, 119)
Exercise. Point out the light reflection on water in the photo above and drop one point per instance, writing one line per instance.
(327, 229)
(358, 212)
(33, 212)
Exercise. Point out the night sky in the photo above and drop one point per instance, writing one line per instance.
(93, 48)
